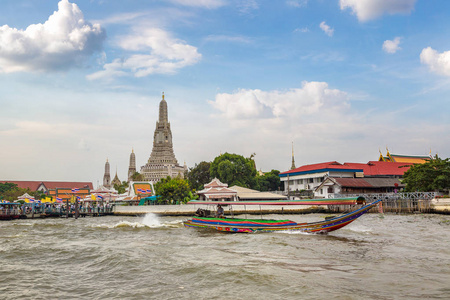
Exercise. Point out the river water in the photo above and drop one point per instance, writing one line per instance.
(376, 257)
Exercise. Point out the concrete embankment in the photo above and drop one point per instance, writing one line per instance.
(189, 210)
(440, 205)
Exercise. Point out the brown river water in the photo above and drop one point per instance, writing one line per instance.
(376, 257)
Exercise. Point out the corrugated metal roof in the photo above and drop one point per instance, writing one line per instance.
(368, 182)
(249, 194)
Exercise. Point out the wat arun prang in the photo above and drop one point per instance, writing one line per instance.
(162, 161)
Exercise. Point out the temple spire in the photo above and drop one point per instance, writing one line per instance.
(163, 115)
(293, 161)
(107, 176)
(162, 161)
(132, 165)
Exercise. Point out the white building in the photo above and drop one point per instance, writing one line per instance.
(308, 177)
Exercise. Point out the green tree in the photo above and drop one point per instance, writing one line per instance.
(199, 175)
(121, 188)
(9, 191)
(7, 186)
(137, 177)
(234, 169)
(173, 190)
(269, 181)
(433, 175)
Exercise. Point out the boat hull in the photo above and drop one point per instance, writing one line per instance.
(250, 226)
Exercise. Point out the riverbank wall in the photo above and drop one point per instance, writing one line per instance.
(189, 210)
(438, 206)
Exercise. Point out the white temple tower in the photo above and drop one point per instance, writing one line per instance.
(107, 176)
(162, 161)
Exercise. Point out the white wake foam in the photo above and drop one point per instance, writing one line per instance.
(149, 221)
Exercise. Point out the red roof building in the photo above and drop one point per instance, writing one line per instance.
(310, 177)
(345, 186)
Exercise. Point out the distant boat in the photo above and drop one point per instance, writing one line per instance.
(264, 225)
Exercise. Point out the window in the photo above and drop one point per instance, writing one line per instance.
(330, 190)
(311, 180)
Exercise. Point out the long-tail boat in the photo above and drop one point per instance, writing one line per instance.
(254, 225)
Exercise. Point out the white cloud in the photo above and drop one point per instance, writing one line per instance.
(228, 38)
(303, 30)
(392, 46)
(297, 3)
(158, 53)
(247, 6)
(63, 41)
(211, 4)
(366, 10)
(327, 29)
(311, 98)
(437, 62)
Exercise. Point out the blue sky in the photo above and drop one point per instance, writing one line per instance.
(81, 81)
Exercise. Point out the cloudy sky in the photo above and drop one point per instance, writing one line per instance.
(81, 80)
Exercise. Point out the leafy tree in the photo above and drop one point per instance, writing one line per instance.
(269, 181)
(173, 190)
(7, 186)
(234, 169)
(137, 177)
(121, 188)
(9, 191)
(199, 175)
(433, 175)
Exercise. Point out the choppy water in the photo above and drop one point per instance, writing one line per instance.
(395, 257)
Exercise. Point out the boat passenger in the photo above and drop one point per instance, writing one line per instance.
(219, 213)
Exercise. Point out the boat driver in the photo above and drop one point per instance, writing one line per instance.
(219, 213)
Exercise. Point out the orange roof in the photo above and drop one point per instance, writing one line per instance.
(142, 186)
(410, 159)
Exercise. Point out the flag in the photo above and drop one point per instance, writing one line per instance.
(140, 190)
(74, 190)
(99, 197)
(149, 191)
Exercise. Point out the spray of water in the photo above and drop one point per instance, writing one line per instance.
(151, 220)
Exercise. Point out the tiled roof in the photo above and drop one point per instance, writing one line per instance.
(379, 168)
(67, 185)
(215, 183)
(410, 159)
(217, 190)
(33, 185)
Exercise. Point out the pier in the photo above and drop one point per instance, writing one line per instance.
(61, 212)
